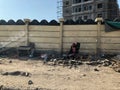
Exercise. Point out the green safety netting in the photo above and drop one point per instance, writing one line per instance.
(112, 26)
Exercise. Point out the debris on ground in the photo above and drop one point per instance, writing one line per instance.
(30, 82)
(83, 75)
(106, 62)
(10, 61)
(96, 69)
(116, 65)
(16, 73)
(2, 87)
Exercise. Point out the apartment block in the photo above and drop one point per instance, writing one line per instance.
(90, 9)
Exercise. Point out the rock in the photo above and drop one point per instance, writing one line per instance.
(1, 87)
(80, 63)
(96, 69)
(6, 73)
(93, 63)
(99, 65)
(10, 61)
(30, 82)
(83, 75)
(25, 74)
(37, 89)
(106, 62)
(118, 57)
(117, 70)
(68, 78)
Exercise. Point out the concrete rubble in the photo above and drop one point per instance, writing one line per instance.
(113, 63)
(16, 73)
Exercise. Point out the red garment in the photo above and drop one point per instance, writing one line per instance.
(73, 49)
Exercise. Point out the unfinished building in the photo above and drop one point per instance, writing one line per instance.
(90, 9)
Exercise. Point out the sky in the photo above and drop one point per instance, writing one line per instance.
(32, 9)
(119, 3)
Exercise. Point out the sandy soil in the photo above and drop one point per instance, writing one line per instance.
(47, 77)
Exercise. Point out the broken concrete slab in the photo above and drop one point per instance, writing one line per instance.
(16, 73)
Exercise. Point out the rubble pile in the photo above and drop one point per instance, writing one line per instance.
(116, 65)
(113, 62)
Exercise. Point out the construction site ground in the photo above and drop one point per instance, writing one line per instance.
(49, 77)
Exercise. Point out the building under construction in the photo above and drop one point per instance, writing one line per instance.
(88, 9)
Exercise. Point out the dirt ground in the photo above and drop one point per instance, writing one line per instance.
(48, 77)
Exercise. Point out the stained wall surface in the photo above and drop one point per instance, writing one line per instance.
(48, 37)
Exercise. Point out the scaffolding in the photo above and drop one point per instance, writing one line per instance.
(59, 9)
(107, 9)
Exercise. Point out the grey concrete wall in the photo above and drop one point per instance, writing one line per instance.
(49, 37)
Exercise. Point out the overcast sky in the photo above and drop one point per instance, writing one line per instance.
(32, 9)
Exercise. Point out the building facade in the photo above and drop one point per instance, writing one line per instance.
(90, 9)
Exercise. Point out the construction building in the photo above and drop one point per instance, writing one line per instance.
(89, 9)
